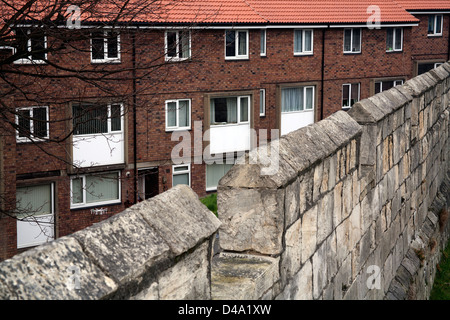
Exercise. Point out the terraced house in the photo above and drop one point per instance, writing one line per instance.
(96, 98)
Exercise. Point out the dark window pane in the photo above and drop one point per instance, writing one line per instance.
(230, 43)
(172, 44)
(438, 24)
(398, 39)
(424, 67)
(90, 119)
(356, 40)
(431, 24)
(377, 87)
(22, 43)
(24, 123)
(40, 122)
(116, 123)
(390, 39)
(113, 51)
(220, 110)
(38, 46)
(98, 46)
(347, 40)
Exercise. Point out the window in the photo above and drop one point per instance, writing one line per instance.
(435, 25)
(263, 42)
(262, 102)
(297, 99)
(394, 39)
(178, 115)
(148, 183)
(236, 44)
(32, 123)
(35, 209)
(386, 85)
(181, 174)
(178, 45)
(303, 42)
(97, 119)
(105, 47)
(95, 189)
(215, 172)
(31, 46)
(230, 110)
(352, 40)
(427, 66)
(350, 94)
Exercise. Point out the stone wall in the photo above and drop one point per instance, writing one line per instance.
(157, 249)
(352, 207)
(347, 215)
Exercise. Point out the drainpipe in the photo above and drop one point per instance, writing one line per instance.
(133, 53)
(323, 73)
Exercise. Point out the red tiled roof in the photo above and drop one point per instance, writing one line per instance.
(424, 4)
(237, 11)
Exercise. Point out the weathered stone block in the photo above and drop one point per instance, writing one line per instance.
(309, 233)
(252, 219)
(59, 270)
(242, 276)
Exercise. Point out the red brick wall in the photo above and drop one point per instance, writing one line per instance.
(207, 72)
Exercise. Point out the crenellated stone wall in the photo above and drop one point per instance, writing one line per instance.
(350, 202)
(352, 207)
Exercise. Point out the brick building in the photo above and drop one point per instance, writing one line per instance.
(210, 71)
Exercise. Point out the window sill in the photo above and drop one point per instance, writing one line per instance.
(28, 140)
(106, 61)
(236, 58)
(298, 111)
(167, 59)
(221, 125)
(95, 205)
(437, 35)
(30, 62)
(178, 129)
(303, 54)
(352, 53)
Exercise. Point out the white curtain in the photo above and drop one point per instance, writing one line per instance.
(102, 187)
(242, 50)
(232, 110)
(244, 109)
(298, 38)
(36, 200)
(183, 113)
(308, 40)
(309, 98)
(215, 172)
(291, 99)
(172, 114)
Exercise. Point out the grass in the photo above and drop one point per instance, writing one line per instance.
(441, 286)
(211, 202)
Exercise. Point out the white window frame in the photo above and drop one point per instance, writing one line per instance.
(27, 139)
(304, 99)
(394, 40)
(30, 60)
(84, 204)
(236, 45)
(214, 188)
(262, 102)
(166, 45)
(304, 52)
(350, 92)
(188, 171)
(109, 123)
(32, 218)
(238, 110)
(177, 126)
(106, 59)
(437, 64)
(351, 40)
(397, 82)
(435, 33)
(263, 40)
